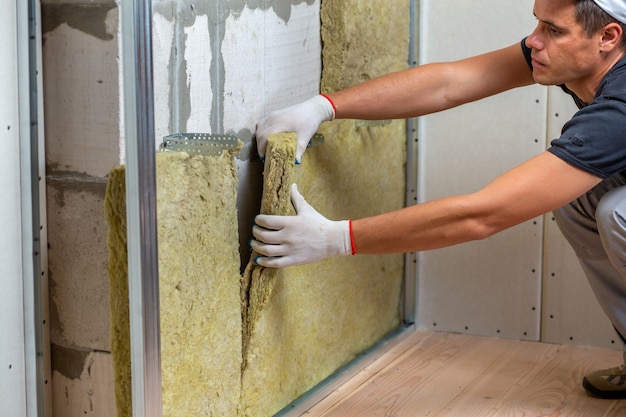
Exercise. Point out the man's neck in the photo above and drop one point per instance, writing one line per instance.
(586, 89)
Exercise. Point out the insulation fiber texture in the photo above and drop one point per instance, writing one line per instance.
(115, 212)
(199, 282)
(257, 281)
(363, 39)
(316, 318)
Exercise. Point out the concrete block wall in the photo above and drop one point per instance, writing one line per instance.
(82, 119)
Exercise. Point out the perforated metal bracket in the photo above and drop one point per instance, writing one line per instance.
(204, 144)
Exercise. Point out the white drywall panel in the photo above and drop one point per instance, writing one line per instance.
(571, 313)
(491, 287)
(12, 349)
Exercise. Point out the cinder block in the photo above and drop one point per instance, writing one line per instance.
(81, 87)
(82, 383)
(77, 259)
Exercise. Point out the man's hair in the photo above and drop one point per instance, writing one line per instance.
(593, 18)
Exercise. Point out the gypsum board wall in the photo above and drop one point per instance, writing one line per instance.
(199, 285)
(305, 322)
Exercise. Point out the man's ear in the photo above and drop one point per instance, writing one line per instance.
(611, 37)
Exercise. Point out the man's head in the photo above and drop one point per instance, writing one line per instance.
(576, 43)
(593, 15)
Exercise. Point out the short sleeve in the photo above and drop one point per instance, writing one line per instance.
(594, 140)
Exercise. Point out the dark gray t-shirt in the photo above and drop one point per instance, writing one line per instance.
(594, 139)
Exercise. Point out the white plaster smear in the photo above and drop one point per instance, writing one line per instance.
(269, 63)
(162, 36)
(198, 56)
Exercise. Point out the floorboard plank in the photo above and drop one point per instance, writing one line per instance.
(396, 353)
(492, 388)
(445, 375)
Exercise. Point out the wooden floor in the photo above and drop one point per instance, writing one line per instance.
(438, 374)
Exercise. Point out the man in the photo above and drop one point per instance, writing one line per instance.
(577, 44)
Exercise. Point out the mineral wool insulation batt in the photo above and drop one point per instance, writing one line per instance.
(320, 316)
(199, 283)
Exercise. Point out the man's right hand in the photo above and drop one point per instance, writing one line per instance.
(303, 119)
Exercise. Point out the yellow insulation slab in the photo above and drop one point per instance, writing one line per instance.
(321, 316)
(199, 285)
(115, 211)
(363, 39)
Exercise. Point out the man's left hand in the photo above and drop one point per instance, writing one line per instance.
(294, 240)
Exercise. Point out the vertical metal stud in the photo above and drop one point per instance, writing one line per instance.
(141, 207)
(35, 289)
(411, 259)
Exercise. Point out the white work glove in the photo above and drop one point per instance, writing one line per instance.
(294, 240)
(303, 119)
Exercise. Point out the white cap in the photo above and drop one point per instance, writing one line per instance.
(616, 8)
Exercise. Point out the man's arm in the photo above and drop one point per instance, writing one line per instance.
(413, 92)
(536, 187)
(434, 87)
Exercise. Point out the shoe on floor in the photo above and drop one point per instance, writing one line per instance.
(607, 383)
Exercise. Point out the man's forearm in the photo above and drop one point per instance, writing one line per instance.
(426, 226)
(408, 93)
(434, 87)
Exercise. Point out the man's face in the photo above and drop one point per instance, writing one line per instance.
(561, 52)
